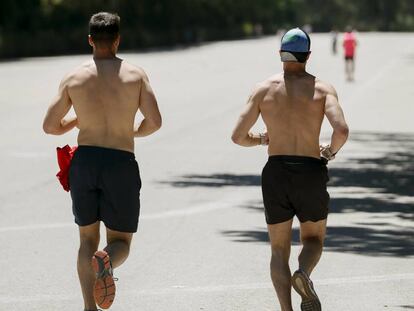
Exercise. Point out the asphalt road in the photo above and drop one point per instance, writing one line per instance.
(202, 242)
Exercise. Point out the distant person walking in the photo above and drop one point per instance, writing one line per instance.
(106, 94)
(334, 40)
(293, 105)
(349, 44)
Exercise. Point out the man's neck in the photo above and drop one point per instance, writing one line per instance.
(103, 54)
(294, 69)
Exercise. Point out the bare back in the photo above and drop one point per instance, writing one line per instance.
(293, 109)
(106, 96)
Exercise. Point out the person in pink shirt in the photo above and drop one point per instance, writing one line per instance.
(349, 44)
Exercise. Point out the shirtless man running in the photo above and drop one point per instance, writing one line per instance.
(293, 105)
(106, 94)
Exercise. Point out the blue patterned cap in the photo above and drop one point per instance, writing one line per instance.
(295, 46)
(295, 40)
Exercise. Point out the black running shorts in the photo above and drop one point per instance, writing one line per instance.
(295, 185)
(104, 186)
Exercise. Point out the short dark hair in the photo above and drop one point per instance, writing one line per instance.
(302, 57)
(104, 27)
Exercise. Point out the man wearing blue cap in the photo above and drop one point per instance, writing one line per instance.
(293, 105)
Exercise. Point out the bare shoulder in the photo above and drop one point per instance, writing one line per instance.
(134, 71)
(325, 88)
(275, 80)
(272, 83)
(78, 74)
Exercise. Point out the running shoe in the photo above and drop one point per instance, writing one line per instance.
(104, 289)
(304, 287)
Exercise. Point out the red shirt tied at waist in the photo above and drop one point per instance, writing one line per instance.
(64, 157)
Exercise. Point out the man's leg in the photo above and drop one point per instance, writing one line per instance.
(118, 246)
(312, 235)
(113, 255)
(352, 69)
(280, 238)
(347, 69)
(89, 242)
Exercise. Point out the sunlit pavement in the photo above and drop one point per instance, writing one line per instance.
(202, 241)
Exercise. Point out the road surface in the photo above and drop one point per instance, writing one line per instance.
(202, 242)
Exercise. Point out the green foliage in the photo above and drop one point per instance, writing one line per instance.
(45, 27)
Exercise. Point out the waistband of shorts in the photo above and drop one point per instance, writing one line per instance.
(103, 152)
(293, 159)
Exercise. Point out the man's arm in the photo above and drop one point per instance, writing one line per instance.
(149, 109)
(335, 115)
(241, 133)
(54, 122)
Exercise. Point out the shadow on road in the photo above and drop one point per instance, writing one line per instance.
(379, 180)
(389, 167)
(349, 239)
(215, 180)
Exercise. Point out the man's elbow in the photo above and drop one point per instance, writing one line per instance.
(50, 129)
(237, 139)
(342, 131)
(156, 123)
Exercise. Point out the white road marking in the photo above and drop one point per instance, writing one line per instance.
(227, 202)
(202, 208)
(37, 227)
(268, 285)
(173, 290)
(29, 154)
